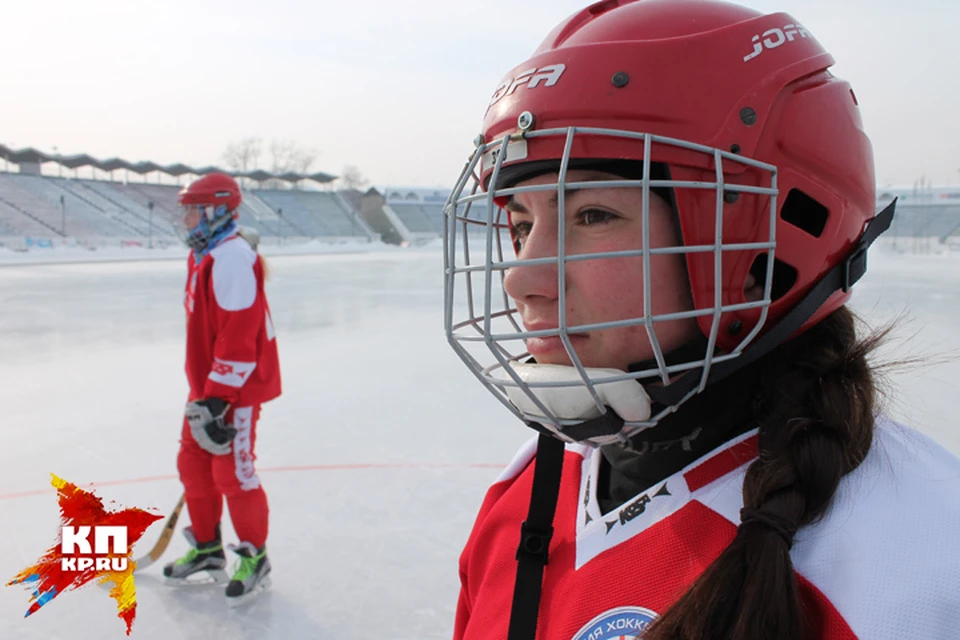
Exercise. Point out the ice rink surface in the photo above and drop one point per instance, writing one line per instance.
(375, 459)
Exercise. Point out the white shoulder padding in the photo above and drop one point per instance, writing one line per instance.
(234, 280)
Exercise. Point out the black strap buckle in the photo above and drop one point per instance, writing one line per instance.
(855, 266)
(534, 543)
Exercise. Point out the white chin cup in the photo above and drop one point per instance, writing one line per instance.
(575, 402)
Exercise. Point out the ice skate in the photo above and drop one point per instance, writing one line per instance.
(204, 563)
(250, 575)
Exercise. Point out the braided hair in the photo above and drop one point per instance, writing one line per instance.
(815, 413)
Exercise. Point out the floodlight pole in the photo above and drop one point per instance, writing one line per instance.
(63, 217)
(280, 227)
(150, 223)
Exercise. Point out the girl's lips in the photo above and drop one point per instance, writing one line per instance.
(540, 347)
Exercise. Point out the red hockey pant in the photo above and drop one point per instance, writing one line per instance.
(207, 479)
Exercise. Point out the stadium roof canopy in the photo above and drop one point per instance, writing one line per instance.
(259, 175)
(30, 155)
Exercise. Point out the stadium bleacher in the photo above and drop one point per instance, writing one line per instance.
(46, 207)
(926, 220)
(415, 217)
(16, 222)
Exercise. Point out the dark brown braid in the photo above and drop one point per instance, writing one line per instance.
(816, 417)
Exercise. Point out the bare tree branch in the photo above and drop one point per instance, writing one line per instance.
(284, 155)
(352, 178)
(243, 156)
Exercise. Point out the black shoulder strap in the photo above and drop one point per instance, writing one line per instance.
(535, 534)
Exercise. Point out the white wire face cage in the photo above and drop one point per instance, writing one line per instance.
(482, 322)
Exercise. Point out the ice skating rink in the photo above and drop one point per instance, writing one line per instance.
(375, 459)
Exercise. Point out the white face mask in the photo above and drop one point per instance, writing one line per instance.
(560, 389)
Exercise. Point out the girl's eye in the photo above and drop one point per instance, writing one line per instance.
(588, 217)
(595, 216)
(519, 231)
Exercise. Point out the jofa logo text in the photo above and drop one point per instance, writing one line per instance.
(773, 38)
(548, 75)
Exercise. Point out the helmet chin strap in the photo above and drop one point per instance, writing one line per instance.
(841, 278)
(695, 349)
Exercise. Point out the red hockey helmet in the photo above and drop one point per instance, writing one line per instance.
(214, 190)
(721, 76)
(734, 112)
(208, 205)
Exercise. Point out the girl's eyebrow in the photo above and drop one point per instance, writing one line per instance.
(515, 207)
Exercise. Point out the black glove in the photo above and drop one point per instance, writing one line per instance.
(206, 418)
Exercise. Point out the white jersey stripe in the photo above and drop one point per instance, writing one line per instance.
(242, 449)
(231, 373)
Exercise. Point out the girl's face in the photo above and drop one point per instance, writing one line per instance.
(190, 216)
(597, 290)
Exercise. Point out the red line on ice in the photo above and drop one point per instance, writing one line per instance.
(307, 467)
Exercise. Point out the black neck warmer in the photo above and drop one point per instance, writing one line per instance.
(707, 420)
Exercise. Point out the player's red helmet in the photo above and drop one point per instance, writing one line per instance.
(214, 189)
(208, 207)
(728, 78)
(734, 112)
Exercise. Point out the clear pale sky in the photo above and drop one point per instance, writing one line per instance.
(395, 87)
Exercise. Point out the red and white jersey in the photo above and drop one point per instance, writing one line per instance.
(231, 342)
(883, 563)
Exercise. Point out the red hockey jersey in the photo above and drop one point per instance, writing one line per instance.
(231, 343)
(883, 563)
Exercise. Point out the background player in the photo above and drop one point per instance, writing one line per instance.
(232, 368)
